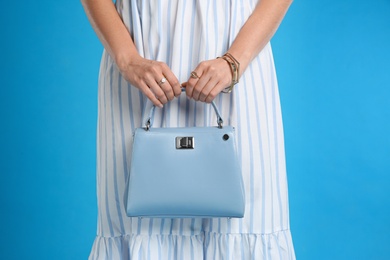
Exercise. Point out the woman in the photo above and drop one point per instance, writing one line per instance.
(151, 48)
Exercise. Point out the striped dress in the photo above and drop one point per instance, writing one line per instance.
(182, 33)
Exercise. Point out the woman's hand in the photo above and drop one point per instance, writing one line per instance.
(153, 78)
(208, 79)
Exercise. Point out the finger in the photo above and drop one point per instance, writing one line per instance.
(156, 89)
(173, 81)
(218, 81)
(191, 83)
(166, 87)
(215, 91)
(201, 84)
(157, 74)
(196, 74)
(160, 95)
(189, 88)
(150, 95)
(207, 89)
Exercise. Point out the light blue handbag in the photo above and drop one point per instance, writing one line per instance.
(185, 172)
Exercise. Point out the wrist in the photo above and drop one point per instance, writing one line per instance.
(235, 70)
(124, 60)
(243, 57)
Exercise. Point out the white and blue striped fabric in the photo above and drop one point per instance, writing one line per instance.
(182, 33)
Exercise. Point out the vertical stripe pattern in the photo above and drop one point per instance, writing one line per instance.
(183, 33)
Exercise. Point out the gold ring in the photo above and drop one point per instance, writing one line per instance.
(194, 75)
(162, 81)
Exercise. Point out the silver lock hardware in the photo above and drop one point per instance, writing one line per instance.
(185, 142)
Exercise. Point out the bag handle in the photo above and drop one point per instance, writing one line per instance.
(149, 121)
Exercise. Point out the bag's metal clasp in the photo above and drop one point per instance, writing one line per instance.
(186, 142)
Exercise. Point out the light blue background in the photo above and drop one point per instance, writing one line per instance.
(333, 63)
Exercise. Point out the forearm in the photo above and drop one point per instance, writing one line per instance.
(258, 30)
(111, 31)
(141, 73)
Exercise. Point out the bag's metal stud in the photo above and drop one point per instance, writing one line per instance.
(225, 137)
(147, 125)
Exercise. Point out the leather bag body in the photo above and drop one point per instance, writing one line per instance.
(185, 172)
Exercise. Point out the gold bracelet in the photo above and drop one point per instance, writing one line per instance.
(235, 61)
(234, 70)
